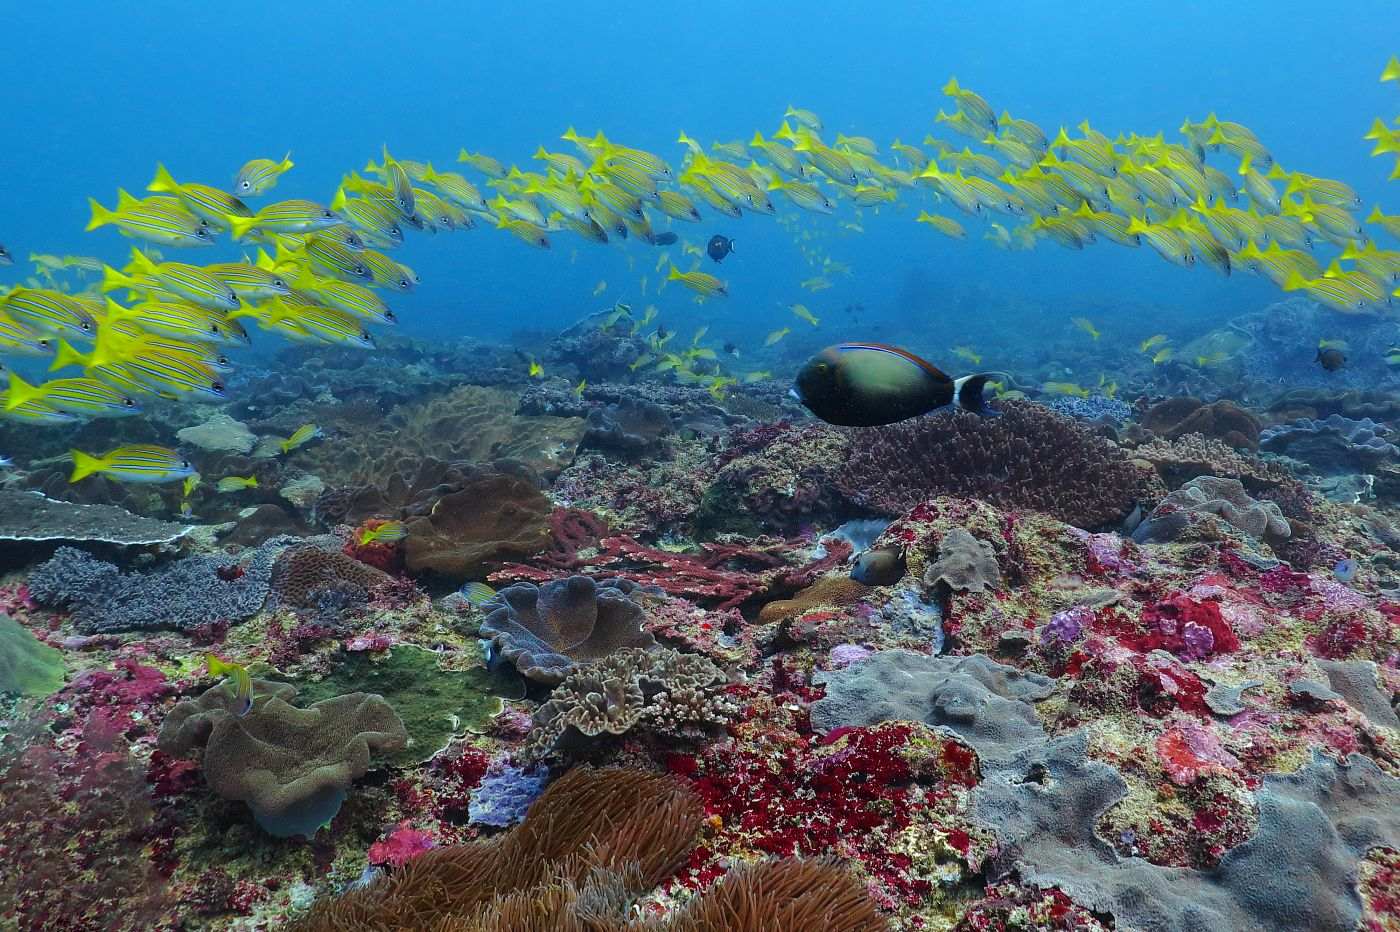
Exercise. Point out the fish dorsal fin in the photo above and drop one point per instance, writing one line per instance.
(924, 364)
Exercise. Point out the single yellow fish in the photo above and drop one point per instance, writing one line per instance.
(477, 593)
(578, 389)
(536, 370)
(776, 335)
(1213, 359)
(387, 533)
(1163, 355)
(801, 311)
(300, 437)
(191, 483)
(242, 682)
(1065, 388)
(967, 353)
(1083, 323)
(1152, 341)
(236, 483)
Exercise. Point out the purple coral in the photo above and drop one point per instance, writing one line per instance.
(505, 793)
(1064, 628)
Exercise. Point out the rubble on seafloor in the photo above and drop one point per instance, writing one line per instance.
(1122, 683)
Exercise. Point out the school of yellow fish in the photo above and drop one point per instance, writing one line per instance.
(316, 271)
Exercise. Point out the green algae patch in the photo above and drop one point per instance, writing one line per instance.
(435, 704)
(28, 666)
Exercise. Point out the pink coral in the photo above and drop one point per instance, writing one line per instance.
(400, 846)
(1188, 750)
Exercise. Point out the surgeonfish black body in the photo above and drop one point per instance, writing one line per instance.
(870, 384)
(719, 247)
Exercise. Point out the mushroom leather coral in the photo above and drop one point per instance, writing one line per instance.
(589, 845)
(494, 517)
(282, 760)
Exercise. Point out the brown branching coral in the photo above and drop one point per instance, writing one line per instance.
(661, 689)
(495, 517)
(589, 845)
(301, 574)
(1029, 457)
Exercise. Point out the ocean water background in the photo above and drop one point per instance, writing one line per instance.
(96, 93)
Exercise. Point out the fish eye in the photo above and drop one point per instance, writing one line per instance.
(87, 327)
(327, 214)
(278, 283)
(244, 185)
(129, 402)
(216, 387)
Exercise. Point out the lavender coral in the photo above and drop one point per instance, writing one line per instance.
(1029, 457)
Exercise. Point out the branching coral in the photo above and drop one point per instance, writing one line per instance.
(546, 631)
(1029, 457)
(190, 592)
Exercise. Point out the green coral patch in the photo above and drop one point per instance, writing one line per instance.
(27, 666)
(435, 704)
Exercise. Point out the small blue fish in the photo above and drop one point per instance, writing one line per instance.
(1345, 570)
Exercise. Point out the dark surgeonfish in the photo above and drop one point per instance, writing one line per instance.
(719, 247)
(869, 384)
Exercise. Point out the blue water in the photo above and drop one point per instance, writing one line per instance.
(97, 93)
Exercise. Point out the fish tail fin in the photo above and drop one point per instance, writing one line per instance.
(674, 274)
(84, 465)
(240, 225)
(20, 392)
(101, 216)
(66, 355)
(286, 164)
(163, 181)
(967, 394)
(112, 279)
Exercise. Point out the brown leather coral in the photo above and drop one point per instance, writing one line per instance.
(1221, 420)
(293, 767)
(495, 517)
(829, 590)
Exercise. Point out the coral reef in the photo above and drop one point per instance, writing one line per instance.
(1219, 420)
(629, 425)
(964, 564)
(492, 518)
(547, 631)
(1029, 457)
(30, 516)
(434, 704)
(293, 767)
(1334, 444)
(661, 690)
(304, 574)
(27, 667)
(985, 704)
(195, 590)
(1181, 512)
